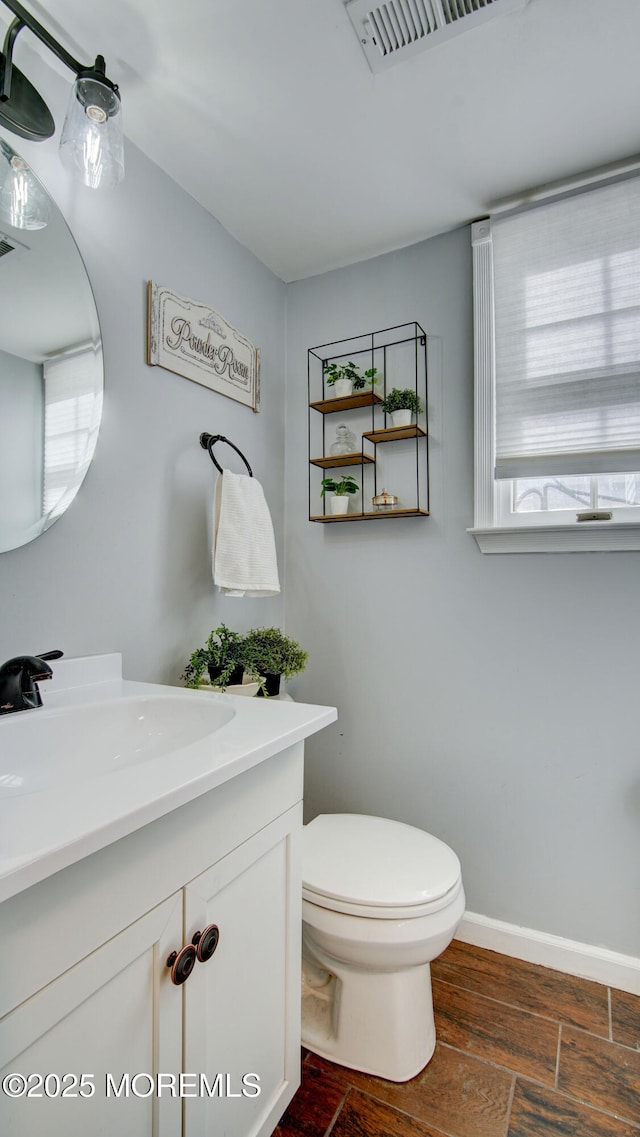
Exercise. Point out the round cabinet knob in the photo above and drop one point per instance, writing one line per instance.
(182, 964)
(208, 942)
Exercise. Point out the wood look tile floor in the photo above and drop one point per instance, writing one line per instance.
(522, 1051)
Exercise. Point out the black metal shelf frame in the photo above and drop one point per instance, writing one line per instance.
(377, 348)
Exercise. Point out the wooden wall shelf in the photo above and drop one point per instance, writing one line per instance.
(334, 460)
(347, 402)
(393, 433)
(395, 358)
(377, 516)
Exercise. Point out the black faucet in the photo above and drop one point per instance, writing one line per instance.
(18, 681)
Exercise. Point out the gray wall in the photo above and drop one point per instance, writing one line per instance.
(22, 410)
(128, 567)
(489, 699)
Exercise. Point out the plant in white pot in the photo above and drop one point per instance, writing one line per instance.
(369, 376)
(340, 377)
(340, 490)
(401, 405)
(344, 378)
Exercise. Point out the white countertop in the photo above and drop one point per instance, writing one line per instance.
(47, 830)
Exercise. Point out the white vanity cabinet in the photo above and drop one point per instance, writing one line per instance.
(110, 1013)
(241, 1007)
(86, 988)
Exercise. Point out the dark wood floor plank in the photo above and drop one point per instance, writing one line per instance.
(601, 1073)
(314, 1105)
(497, 1021)
(455, 1093)
(515, 1039)
(625, 1018)
(540, 1112)
(362, 1116)
(577, 1002)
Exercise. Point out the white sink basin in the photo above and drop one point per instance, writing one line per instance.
(43, 749)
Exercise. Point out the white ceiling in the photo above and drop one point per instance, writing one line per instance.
(267, 113)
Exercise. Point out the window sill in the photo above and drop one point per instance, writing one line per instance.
(582, 537)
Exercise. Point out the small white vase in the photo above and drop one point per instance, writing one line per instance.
(401, 418)
(339, 503)
(341, 388)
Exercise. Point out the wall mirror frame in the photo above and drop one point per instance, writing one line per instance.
(51, 365)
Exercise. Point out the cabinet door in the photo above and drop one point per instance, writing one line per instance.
(114, 1013)
(242, 1007)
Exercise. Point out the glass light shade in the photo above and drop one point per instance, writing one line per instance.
(91, 143)
(24, 204)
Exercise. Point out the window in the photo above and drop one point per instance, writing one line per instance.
(72, 408)
(557, 352)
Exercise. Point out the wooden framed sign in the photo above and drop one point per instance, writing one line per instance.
(192, 340)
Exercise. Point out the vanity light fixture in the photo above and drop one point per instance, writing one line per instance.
(91, 142)
(24, 203)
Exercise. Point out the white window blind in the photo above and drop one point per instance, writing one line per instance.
(72, 408)
(567, 335)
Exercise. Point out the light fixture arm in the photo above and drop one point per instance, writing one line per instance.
(26, 20)
(91, 139)
(6, 61)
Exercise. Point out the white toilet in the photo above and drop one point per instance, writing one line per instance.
(380, 900)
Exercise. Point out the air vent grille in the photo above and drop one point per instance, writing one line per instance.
(11, 245)
(397, 29)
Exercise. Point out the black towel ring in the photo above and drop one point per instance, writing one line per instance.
(208, 441)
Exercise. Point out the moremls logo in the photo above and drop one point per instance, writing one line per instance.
(144, 1085)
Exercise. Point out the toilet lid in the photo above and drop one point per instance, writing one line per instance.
(374, 862)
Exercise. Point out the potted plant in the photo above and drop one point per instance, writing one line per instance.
(269, 653)
(370, 376)
(345, 378)
(339, 502)
(341, 377)
(401, 405)
(223, 656)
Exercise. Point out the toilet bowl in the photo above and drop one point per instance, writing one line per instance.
(380, 900)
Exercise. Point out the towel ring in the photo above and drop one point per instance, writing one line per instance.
(208, 441)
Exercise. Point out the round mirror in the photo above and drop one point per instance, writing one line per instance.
(51, 373)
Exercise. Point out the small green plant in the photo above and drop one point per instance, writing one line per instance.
(335, 371)
(267, 651)
(223, 651)
(345, 485)
(397, 400)
(369, 376)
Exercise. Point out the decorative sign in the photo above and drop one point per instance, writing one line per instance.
(192, 340)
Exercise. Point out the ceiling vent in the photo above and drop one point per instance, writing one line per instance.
(396, 30)
(10, 245)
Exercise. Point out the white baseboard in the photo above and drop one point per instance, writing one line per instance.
(604, 966)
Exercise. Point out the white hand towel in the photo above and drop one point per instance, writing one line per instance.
(244, 549)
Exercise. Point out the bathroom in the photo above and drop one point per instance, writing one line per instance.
(487, 699)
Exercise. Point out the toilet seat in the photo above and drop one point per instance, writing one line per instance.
(377, 868)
